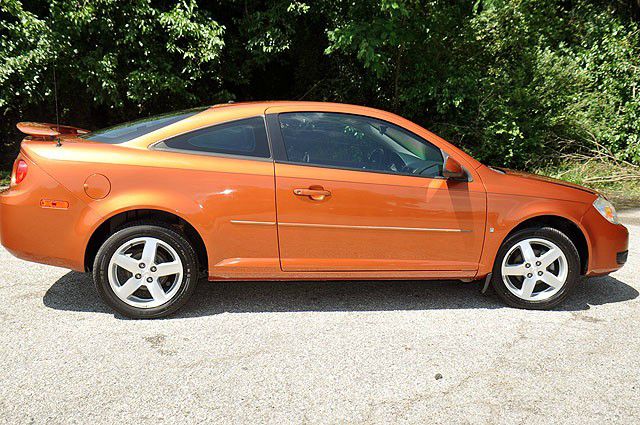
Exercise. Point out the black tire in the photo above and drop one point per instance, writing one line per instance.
(161, 231)
(573, 263)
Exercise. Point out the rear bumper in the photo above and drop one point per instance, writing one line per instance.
(43, 235)
(609, 244)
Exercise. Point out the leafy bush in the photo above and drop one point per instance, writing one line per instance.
(5, 178)
(516, 82)
(113, 59)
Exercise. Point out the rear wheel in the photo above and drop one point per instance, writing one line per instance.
(536, 268)
(145, 271)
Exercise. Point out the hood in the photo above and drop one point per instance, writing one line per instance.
(537, 177)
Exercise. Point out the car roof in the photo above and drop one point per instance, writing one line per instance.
(296, 105)
(269, 103)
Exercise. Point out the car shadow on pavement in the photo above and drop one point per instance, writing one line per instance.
(75, 292)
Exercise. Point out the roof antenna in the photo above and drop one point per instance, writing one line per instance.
(55, 96)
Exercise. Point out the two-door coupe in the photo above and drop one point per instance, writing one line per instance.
(293, 191)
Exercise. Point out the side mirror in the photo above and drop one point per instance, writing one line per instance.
(453, 170)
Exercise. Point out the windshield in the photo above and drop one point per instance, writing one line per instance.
(130, 130)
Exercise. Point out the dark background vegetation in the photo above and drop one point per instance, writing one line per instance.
(519, 83)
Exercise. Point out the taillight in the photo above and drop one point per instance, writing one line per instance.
(21, 171)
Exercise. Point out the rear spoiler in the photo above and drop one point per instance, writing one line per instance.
(48, 131)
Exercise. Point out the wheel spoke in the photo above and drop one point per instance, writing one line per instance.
(527, 287)
(142, 285)
(549, 257)
(527, 252)
(522, 279)
(149, 251)
(126, 262)
(129, 287)
(156, 291)
(167, 269)
(551, 280)
(514, 270)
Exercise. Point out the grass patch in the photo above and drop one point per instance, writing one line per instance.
(620, 183)
(5, 177)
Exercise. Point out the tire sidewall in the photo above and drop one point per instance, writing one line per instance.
(175, 240)
(551, 235)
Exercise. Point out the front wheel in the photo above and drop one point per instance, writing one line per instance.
(145, 271)
(536, 268)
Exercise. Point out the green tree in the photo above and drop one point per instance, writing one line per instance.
(516, 82)
(112, 59)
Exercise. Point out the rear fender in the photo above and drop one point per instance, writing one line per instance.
(180, 206)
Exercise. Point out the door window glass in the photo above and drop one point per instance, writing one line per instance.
(357, 142)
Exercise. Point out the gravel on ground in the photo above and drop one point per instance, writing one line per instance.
(320, 352)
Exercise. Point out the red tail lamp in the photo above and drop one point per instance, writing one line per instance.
(21, 171)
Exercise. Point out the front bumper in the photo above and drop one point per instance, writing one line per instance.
(607, 243)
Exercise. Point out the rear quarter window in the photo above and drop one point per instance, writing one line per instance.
(246, 137)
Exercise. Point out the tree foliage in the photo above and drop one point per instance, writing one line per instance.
(516, 82)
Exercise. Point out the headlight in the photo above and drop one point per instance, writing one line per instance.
(606, 209)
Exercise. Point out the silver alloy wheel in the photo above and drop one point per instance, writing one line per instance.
(534, 269)
(145, 272)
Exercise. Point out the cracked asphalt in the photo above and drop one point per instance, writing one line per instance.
(319, 352)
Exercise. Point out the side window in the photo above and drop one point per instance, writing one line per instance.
(357, 142)
(246, 137)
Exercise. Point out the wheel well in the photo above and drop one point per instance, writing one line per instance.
(567, 227)
(107, 228)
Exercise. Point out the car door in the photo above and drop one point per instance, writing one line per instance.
(356, 193)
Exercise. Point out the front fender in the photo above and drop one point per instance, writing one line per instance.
(506, 212)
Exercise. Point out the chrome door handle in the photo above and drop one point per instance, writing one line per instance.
(315, 194)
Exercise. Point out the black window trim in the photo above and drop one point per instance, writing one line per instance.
(153, 146)
(280, 155)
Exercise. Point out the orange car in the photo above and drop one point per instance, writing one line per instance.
(293, 191)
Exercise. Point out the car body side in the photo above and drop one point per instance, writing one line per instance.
(230, 203)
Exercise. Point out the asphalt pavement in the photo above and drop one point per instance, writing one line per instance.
(319, 352)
